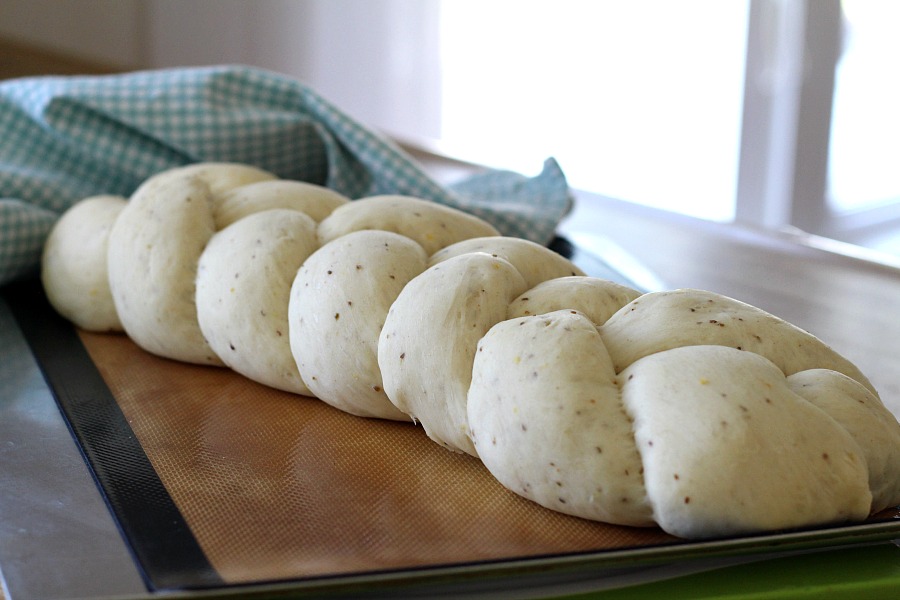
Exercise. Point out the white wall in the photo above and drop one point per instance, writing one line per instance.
(106, 31)
(339, 47)
(379, 60)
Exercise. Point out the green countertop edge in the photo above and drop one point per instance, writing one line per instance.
(848, 573)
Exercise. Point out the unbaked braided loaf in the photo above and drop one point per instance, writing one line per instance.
(685, 409)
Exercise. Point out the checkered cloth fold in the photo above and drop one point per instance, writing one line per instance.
(63, 139)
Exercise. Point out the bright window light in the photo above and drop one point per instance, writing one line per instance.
(637, 100)
(864, 154)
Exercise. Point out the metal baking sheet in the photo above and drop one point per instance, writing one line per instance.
(64, 535)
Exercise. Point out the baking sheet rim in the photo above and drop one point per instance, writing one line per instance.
(821, 538)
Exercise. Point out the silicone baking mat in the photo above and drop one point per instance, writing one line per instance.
(218, 481)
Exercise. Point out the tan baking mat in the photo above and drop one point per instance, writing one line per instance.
(279, 486)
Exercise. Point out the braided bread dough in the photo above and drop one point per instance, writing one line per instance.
(858, 410)
(547, 421)
(534, 262)
(243, 279)
(315, 201)
(761, 458)
(427, 348)
(154, 248)
(433, 226)
(74, 270)
(740, 423)
(339, 301)
(428, 342)
(156, 244)
(665, 320)
(683, 409)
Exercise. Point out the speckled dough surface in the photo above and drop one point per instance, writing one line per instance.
(682, 409)
(74, 268)
(244, 277)
(338, 305)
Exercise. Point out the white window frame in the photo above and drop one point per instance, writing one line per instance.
(788, 88)
(792, 54)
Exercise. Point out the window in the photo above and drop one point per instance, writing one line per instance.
(865, 136)
(636, 100)
(864, 157)
(771, 112)
(775, 113)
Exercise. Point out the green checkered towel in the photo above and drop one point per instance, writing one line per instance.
(63, 139)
